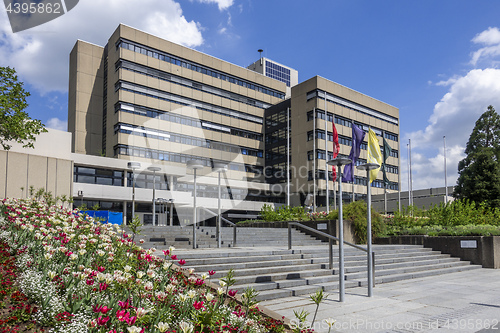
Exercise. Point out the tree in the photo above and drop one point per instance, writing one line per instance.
(479, 171)
(15, 124)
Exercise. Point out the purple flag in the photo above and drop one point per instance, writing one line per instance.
(357, 137)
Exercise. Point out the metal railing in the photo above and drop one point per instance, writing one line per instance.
(223, 220)
(330, 244)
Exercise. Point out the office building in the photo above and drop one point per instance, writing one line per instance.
(143, 99)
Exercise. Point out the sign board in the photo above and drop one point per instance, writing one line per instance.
(468, 244)
(322, 226)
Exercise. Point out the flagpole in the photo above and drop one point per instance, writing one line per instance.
(288, 157)
(314, 160)
(445, 180)
(408, 167)
(326, 160)
(399, 173)
(385, 172)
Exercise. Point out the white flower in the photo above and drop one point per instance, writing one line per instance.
(330, 322)
(73, 256)
(209, 297)
(167, 265)
(220, 291)
(182, 297)
(140, 274)
(51, 274)
(191, 293)
(222, 283)
(186, 327)
(134, 329)
(151, 273)
(204, 276)
(148, 286)
(163, 327)
(141, 312)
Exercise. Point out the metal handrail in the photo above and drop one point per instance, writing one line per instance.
(223, 219)
(330, 243)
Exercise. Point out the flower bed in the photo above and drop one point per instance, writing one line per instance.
(85, 276)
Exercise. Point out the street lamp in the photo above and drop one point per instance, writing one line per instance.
(219, 168)
(133, 166)
(339, 162)
(195, 165)
(154, 169)
(171, 211)
(368, 167)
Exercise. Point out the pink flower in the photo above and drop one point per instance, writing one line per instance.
(182, 262)
(211, 273)
(102, 286)
(198, 305)
(121, 315)
(124, 305)
(199, 282)
(101, 269)
(105, 309)
(166, 252)
(232, 292)
(101, 321)
(96, 308)
(174, 257)
(130, 320)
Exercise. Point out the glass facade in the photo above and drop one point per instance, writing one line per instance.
(278, 72)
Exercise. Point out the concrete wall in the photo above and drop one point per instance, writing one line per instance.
(486, 251)
(48, 166)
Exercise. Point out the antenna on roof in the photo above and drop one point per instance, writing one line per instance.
(260, 55)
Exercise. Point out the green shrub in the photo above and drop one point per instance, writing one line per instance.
(283, 213)
(356, 212)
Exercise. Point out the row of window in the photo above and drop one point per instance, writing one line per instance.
(196, 67)
(351, 105)
(180, 158)
(184, 120)
(185, 139)
(99, 176)
(157, 74)
(321, 155)
(346, 141)
(181, 100)
(321, 174)
(320, 114)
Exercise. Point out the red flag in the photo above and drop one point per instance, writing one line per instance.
(336, 148)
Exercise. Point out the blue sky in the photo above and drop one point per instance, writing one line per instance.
(437, 61)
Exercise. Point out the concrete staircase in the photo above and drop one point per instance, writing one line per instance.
(277, 272)
(161, 237)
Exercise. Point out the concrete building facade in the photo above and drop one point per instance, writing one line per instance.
(144, 99)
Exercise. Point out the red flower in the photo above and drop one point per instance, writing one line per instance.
(182, 262)
(232, 292)
(124, 305)
(101, 269)
(166, 252)
(174, 257)
(105, 309)
(101, 321)
(211, 273)
(102, 286)
(198, 305)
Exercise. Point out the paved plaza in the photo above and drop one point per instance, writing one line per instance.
(458, 302)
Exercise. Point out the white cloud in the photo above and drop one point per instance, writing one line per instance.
(454, 116)
(41, 54)
(223, 4)
(490, 38)
(58, 124)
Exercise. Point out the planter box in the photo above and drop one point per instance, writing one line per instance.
(479, 250)
(327, 226)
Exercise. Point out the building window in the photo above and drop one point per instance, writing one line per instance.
(97, 176)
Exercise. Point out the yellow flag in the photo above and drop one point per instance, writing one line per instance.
(374, 154)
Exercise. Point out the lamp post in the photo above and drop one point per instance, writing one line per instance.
(154, 169)
(339, 162)
(368, 167)
(133, 166)
(195, 165)
(219, 168)
(171, 217)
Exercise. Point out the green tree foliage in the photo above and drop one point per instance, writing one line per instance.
(15, 124)
(479, 171)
